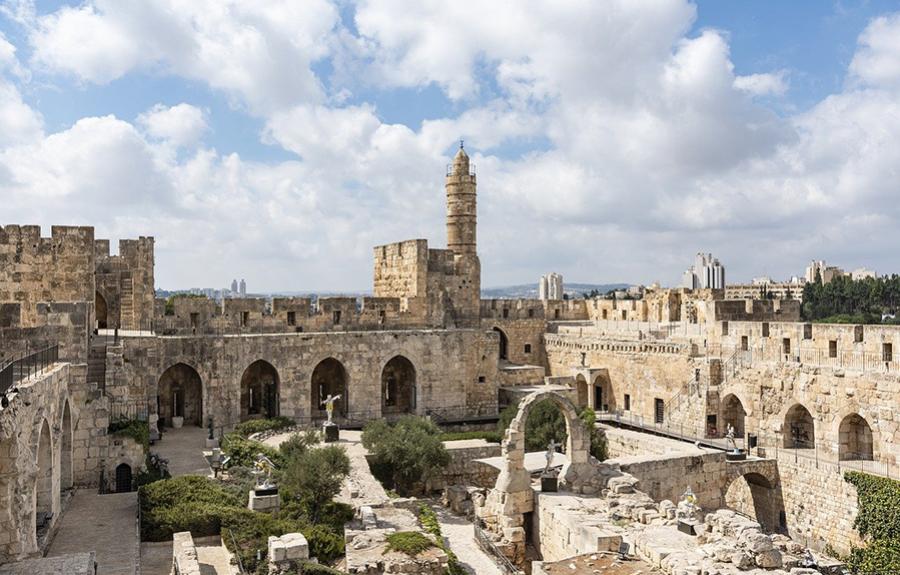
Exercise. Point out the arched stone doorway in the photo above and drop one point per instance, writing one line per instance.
(799, 428)
(855, 439)
(328, 378)
(259, 391)
(43, 489)
(180, 394)
(101, 311)
(733, 414)
(581, 390)
(66, 479)
(124, 478)
(398, 387)
(504, 344)
(754, 495)
(604, 398)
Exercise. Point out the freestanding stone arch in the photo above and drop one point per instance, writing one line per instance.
(259, 390)
(512, 496)
(180, 394)
(329, 378)
(398, 387)
(855, 441)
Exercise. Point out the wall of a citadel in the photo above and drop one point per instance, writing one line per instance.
(522, 322)
(65, 324)
(34, 269)
(448, 365)
(401, 269)
(757, 310)
(126, 283)
(643, 370)
(36, 462)
(453, 289)
(667, 477)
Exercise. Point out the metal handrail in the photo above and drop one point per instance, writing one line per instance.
(488, 547)
(27, 366)
(237, 552)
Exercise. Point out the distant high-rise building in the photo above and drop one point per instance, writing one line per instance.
(825, 272)
(551, 287)
(234, 286)
(863, 273)
(243, 288)
(706, 273)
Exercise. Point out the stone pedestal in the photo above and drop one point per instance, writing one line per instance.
(331, 432)
(264, 500)
(549, 484)
(735, 456)
(688, 526)
(177, 422)
(290, 547)
(212, 443)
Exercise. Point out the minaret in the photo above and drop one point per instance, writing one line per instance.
(461, 205)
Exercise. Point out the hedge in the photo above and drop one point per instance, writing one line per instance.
(878, 520)
(243, 451)
(248, 428)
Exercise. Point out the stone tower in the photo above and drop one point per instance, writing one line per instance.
(461, 205)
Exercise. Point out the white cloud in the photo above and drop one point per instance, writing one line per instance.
(770, 84)
(877, 59)
(182, 124)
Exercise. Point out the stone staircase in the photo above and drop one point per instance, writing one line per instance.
(126, 305)
(96, 372)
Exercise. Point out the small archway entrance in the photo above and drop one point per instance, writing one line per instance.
(754, 495)
(328, 378)
(604, 398)
(398, 387)
(733, 414)
(43, 489)
(855, 439)
(66, 479)
(100, 311)
(259, 391)
(180, 394)
(581, 390)
(123, 478)
(504, 345)
(799, 428)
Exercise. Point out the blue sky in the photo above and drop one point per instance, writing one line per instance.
(614, 139)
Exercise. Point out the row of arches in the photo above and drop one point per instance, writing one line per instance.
(53, 474)
(180, 391)
(855, 438)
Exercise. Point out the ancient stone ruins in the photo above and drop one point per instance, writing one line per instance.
(84, 341)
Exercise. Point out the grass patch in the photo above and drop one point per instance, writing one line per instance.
(410, 542)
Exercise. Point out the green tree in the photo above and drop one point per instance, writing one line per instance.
(314, 477)
(406, 453)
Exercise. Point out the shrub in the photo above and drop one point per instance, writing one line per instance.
(406, 453)
(324, 543)
(878, 521)
(188, 503)
(410, 542)
(299, 443)
(314, 477)
(248, 428)
(155, 469)
(243, 451)
(137, 430)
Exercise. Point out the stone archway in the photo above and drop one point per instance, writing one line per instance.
(799, 428)
(124, 479)
(734, 414)
(503, 352)
(512, 497)
(180, 394)
(101, 311)
(756, 496)
(581, 390)
(259, 391)
(66, 479)
(329, 378)
(855, 441)
(398, 387)
(43, 483)
(604, 398)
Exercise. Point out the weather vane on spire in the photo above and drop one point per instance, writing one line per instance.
(460, 143)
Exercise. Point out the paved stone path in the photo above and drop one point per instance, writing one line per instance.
(184, 449)
(105, 524)
(459, 533)
(214, 558)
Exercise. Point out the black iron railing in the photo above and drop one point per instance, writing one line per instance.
(484, 542)
(27, 366)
